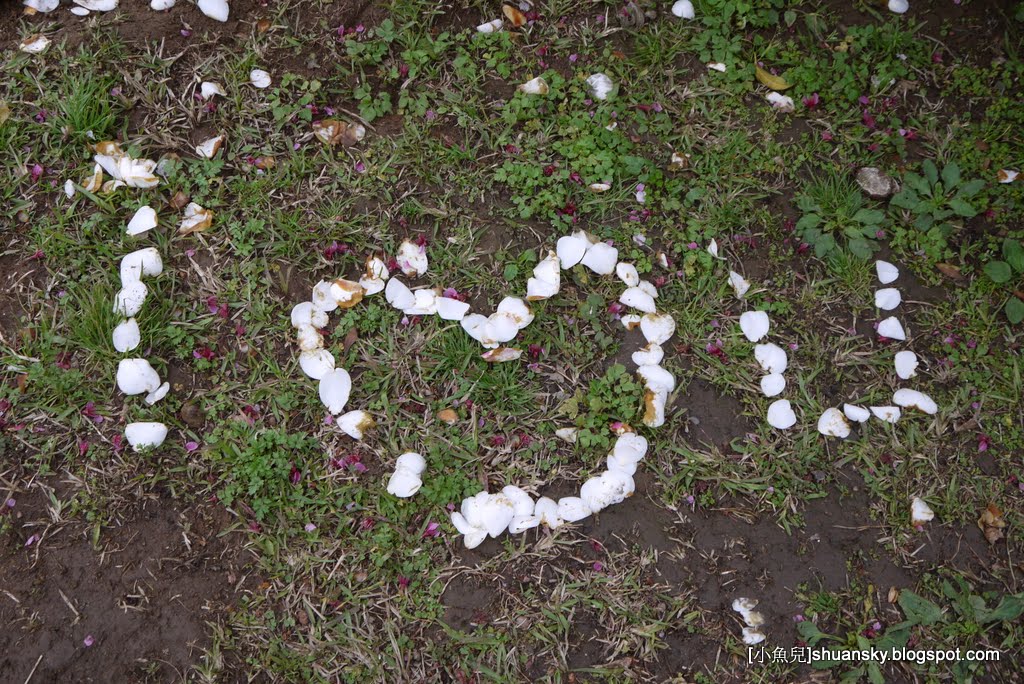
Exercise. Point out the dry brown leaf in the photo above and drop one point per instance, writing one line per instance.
(991, 523)
(514, 16)
(771, 80)
(350, 338)
(5, 112)
(950, 271)
(263, 25)
(334, 132)
(179, 201)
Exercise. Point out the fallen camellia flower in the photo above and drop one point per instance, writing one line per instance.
(335, 388)
(754, 324)
(501, 355)
(546, 280)
(306, 313)
(781, 415)
(492, 26)
(773, 384)
(601, 86)
(406, 480)
(127, 336)
(334, 132)
(347, 293)
(920, 513)
(412, 259)
(833, 423)
(783, 103)
(35, 45)
(375, 276)
(683, 9)
(356, 423)
(887, 273)
(753, 620)
(888, 298)
(740, 285)
(136, 376)
(858, 414)
(889, 414)
(535, 86)
(657, 328)
(906, 364)
(145, 435)
(892, 328)
(195, 220)
(135, 173)
(771, 357)
(217, 10)
(259, 78)
(209, 148)
(607, 489)
(629, 449)
(143, 220)
(908, 398)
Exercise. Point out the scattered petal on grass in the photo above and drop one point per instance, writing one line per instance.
(899, 6)
(858, 414)
(886, 272)
(773, 384)
(143, 220)
(35, 45)
(739, 284)
(906, 364)
(145, 435)
(892, 328)
(601, 86)
(781, 415)
(683, 9)
(754, 324)
(833, 423)
(920, 512)
(259, 78)
(355, 424)
(217, 10)
(888, 414)
(491, 26)
(771, 357)
(887, 298)
(535, 86)
(908, 398)
(196, 219)
(780, 102)
(1007, 175)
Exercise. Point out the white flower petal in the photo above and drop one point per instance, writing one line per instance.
(572, 509)
(547, 510)
(636, 298)
(858, 414)
(567, 434)
(886, 272)
(335, 388)
(207, 89)
(898, 6)
(888, 298)
(601, 86)
(412, 259)
(451, 309)
(739, 284)
(316, 363)
(601, 258)
(651, 355)
(783, 103)
(143, 220)
(773, 384)
(217, 10)
(754, 324)
(771, 357)
(142, 262)
(683, 9)
(127, 336)
(130, 298)
(627, 273)
(920, 512)
(833, 423)
(535, 86)
(906, 364)
(781, 415)
(571, 249)
(355, 423)
(259, 78)
(158, 394)
(411, 461)
(892, 328)
(656, 328)
(908, 398)
(399, 295)
(145, 435)
(136, 376)
(404, 483)
(889, 414)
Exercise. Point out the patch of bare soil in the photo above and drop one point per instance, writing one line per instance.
(143, 599)
(716, 556)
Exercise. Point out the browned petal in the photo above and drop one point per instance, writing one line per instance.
(448, 416)
(514, 16)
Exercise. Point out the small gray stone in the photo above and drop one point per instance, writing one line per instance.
(874, 182)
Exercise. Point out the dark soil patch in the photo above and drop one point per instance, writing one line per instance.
(144, 598)
(714, 419)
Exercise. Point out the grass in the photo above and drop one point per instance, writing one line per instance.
(490, 178)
